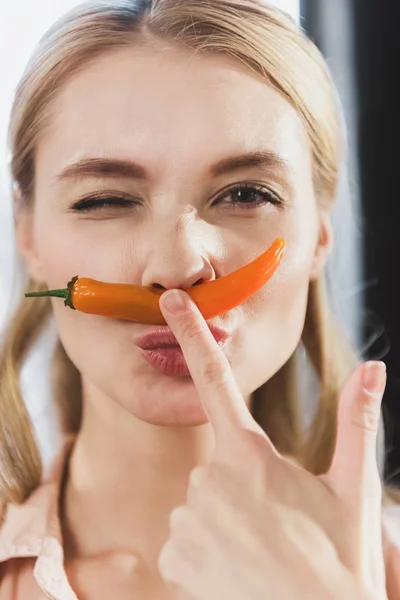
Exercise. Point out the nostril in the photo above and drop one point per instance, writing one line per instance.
(158, 286)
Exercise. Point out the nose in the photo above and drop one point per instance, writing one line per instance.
(177, 259)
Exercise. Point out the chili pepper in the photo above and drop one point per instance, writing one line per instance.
(141, 304)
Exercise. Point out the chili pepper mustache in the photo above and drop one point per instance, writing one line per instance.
(141, 304)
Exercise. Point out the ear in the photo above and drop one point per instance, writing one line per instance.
(324, 245)
(24, 235)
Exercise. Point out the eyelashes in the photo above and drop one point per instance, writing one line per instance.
(250, 195)
(98, 201)
(244, 196)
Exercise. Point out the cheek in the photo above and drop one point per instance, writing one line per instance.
(273, 326)
(280, 296)
(273, 320)
(283, 300)
(287, 295)
(67, 247)
(61, 251)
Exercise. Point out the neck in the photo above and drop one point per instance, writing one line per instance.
(124, 478)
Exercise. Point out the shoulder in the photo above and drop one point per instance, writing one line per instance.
(23, 527)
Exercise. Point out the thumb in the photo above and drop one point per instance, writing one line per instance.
(354, 468)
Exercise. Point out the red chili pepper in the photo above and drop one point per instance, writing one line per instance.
(141, 304)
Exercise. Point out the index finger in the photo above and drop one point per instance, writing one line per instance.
(211, 372)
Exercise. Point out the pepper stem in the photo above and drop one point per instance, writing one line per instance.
(56, 293)
(65, 293)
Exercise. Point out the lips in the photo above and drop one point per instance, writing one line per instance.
(162, 337)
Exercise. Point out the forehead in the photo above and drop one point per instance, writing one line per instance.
(166, 106)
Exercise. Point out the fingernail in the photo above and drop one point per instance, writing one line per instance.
(175, 302)
(374, 377)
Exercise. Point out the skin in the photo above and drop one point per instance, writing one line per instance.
(324, 531)
(143, 433)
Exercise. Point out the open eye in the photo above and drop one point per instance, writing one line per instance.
(248, 195)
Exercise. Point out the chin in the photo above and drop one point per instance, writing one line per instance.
(168, 405)
(172, 416)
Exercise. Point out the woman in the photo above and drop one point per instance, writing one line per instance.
(167, 144)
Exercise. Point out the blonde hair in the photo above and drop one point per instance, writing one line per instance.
(273, 46)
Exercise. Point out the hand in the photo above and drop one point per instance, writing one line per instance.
(257, 524)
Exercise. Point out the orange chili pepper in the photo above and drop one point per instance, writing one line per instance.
(141, 304)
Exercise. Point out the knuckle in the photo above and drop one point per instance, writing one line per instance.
(196, 486)
(205, 486)
(178, 518)
(215, 372)
(169, 562)
(197, 477)
(192, 330)
(368, 416)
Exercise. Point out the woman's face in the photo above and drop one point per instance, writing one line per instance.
(173, 219)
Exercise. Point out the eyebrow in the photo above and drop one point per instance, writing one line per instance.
(105, 167)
